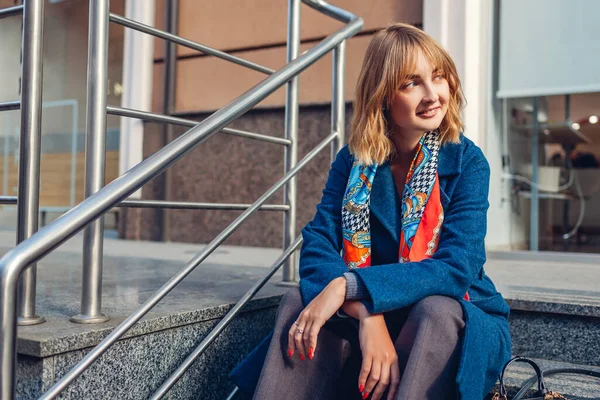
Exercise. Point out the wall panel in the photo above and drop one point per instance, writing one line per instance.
(207, 83)
(242, 24)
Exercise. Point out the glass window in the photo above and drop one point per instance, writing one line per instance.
(568, 178)
(64, 102)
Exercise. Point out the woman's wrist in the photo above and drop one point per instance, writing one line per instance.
(355, 309)
(373, 319)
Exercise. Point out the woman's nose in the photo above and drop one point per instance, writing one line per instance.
(430, 95)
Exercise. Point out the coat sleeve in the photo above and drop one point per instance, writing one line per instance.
(320, 259)
(459, 258)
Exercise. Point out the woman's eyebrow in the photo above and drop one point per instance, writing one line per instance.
(417, 77)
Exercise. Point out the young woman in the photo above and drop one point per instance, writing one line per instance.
(394, 301)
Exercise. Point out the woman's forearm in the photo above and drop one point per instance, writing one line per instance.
(356, 309)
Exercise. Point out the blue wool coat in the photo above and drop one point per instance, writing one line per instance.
(457, 266)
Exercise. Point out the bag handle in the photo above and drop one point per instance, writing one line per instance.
(575, 371)
(540, 376)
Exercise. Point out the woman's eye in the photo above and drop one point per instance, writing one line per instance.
(410, 84)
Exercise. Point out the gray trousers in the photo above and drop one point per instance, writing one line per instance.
(427, 338)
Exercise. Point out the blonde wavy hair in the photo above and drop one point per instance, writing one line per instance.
(390, 59)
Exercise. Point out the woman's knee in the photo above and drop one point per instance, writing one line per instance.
(439, 310)
(291, 305)
(292, 298)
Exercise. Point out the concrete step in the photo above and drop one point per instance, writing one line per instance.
(140, 362)
(554, 301)
(554, 319)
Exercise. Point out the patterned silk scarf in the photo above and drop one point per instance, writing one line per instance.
(422, 212)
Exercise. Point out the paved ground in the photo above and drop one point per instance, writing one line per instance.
(133, 271)
(559, 277)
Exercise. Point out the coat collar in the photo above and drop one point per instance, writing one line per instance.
(450, 159)
(386, 204)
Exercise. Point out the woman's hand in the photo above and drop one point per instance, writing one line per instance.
(380, 361)
(302, 336)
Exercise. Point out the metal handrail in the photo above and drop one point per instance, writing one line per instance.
(129, 23)
(8, 199)
(120, 330)
(53, 235)
(180, 205)
(227, 319)
(10, 105)
(148, 116)
(10, 11)
(233, 393)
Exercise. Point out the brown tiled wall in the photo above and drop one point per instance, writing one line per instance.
(255, 30)
(235, 170)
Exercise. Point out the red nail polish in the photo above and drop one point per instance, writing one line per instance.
(301, 357)
(361, 388)
(311, 353)
(290, 353)
(365, 395)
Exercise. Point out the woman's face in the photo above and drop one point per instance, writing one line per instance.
(421, 102)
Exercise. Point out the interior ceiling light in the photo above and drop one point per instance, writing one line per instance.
(593, 119)
(575, 126)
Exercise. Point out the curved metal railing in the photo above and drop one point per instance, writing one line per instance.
(56, 233)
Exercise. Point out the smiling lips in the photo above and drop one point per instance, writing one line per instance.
(430, 112)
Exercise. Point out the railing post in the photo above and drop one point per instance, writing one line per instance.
(291, 133)
(170, 73)
(29, 149)
(8, 338)
(534, 213)
(91, 295)
(338, 105)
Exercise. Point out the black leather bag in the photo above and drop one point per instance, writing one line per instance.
(542, 393)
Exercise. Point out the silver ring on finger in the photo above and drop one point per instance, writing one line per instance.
(300, 330)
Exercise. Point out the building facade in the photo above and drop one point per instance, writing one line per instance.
(559, 216)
